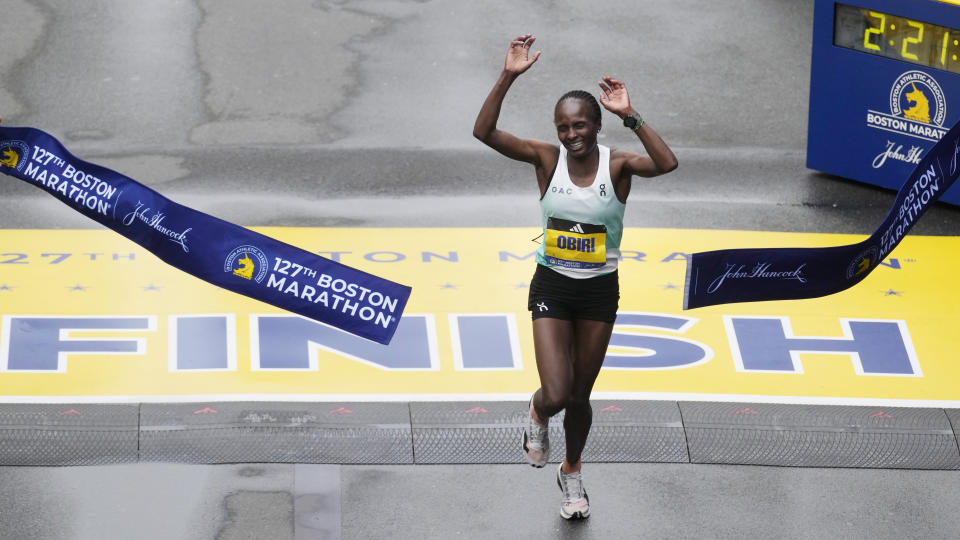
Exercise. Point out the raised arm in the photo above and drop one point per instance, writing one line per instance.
(518, 60)
(659, 159)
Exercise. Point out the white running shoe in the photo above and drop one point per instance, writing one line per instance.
(575, 504)
(536, 441)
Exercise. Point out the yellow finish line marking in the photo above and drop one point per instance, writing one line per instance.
(469, 333)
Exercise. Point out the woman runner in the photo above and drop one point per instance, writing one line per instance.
(574, 293)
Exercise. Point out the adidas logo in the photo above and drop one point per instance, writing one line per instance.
(577, 229)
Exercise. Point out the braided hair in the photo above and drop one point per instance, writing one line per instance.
(587, 98)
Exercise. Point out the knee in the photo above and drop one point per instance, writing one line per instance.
(553, 401)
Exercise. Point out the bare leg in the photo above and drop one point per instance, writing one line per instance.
(553, 341)
(590, 347)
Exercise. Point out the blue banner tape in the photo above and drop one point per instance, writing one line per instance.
(753, 275)
(224, 254)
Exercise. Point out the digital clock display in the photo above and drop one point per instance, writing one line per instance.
(896, 37)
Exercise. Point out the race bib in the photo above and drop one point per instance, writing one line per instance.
(575, 245)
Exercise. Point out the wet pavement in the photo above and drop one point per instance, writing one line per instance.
(256, 501)
(359, 114)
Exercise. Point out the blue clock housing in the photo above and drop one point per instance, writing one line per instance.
(884, 87)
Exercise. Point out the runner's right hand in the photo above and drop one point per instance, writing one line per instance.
(518, 56)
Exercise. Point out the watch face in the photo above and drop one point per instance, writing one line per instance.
(630, 122)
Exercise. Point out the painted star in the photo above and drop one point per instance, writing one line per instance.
(151, 287)
(77, 288)
(891, 292)
(5, 287)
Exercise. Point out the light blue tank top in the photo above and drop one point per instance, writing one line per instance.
(582, 226)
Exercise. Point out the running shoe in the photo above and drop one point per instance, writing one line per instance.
(575, 504)
(536, 440)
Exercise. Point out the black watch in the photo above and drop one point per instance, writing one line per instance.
(633, 121)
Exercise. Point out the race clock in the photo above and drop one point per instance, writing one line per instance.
(884, 87)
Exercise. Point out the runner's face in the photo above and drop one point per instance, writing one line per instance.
(576, 129)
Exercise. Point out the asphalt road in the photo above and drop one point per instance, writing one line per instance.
(359, 113)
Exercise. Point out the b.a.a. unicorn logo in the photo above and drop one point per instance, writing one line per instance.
(917, 97)
(919, 109)
(247, 266)
(13, 155)
(247, 262)
(10, 158)
(863, 262)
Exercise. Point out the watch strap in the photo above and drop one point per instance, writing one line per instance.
(633, 122)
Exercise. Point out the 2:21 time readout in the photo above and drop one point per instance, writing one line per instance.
(897, 37)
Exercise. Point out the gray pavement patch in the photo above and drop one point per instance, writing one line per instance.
(257, 94)
(476, 432)
(317, 502)
(64, 434)
(819, 436)
(953, 415)
(636, 431)
(466, 432)
(276, 433)
(731, 188)
(258, 514)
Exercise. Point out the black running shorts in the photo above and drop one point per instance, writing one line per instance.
(557, 296)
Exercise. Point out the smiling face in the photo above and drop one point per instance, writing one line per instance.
(576, 127)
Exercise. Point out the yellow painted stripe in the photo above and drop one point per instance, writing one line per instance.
(473, 271)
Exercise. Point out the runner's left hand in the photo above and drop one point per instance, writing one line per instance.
(614, 97)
